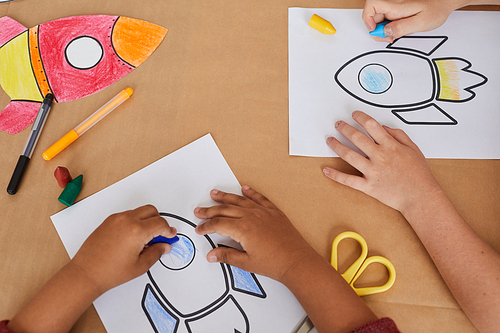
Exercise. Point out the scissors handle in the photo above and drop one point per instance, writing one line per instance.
(358, 267)
(349, 274)
(377, 289)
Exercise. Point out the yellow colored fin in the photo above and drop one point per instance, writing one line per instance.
(16, 75)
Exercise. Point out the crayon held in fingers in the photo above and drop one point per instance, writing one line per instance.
(321, 25)
(379, 30)
(161, 239)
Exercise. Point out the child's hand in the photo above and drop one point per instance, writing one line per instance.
(114, 253)
(407, 16)
(395, 171)
(271, 244)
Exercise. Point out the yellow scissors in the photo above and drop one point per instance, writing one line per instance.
(358, 267)
(354, 271)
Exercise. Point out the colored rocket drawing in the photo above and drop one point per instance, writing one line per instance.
(180, 299)
(71, 58)
(404, 78)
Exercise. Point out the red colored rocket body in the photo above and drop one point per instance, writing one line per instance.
(71, 58)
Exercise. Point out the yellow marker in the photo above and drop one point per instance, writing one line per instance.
(321, 25)
(75, 133)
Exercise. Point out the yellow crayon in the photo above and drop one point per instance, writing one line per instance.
(321, 25)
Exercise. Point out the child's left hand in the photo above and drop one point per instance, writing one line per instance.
(271, 244)
(114, 253)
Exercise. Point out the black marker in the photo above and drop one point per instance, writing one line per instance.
(25, 157)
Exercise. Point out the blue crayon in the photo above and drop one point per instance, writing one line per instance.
(161, 239)
(379, 30)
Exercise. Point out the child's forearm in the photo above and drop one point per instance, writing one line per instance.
(332, 305)
(113, 254)
(470, 267)
(58, 305)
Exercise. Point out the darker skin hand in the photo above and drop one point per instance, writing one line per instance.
(271, 244)
(115, 252)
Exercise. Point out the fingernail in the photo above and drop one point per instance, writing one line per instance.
(337, 124)
(212, 259)
(245, 187)
(354, 113)
(214, 191)
(387, 31)
(197, 209)
(326, 171)
(329, 140)
(167, 249)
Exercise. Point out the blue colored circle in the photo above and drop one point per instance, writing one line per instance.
(181, 255)
(375, 78)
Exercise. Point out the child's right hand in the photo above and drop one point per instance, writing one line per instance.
(407, 16)
(114, 253)
(271, 244)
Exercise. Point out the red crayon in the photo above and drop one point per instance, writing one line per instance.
(62, 176)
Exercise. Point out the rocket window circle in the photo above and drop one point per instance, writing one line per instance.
(181, 254)
(84, 52)
(375, 78)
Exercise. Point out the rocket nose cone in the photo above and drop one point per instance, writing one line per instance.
(135, 40)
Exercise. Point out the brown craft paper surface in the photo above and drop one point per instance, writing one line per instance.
(222, 69)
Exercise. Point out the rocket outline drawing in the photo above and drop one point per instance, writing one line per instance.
(446, 74)
(167, 317)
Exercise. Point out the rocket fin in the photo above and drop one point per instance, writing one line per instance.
(9, 28)
(161, 319)
(245, 282)
(227, 317)
(17, 115)
(422, 44)
(429, 114)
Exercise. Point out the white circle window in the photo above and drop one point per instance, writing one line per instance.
(375, 78)
(84, 52)
(181, 255)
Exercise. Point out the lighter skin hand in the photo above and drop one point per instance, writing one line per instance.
(390, 158)
(407, 16)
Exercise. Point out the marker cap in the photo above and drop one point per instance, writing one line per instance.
(59, 146)
(129, 91)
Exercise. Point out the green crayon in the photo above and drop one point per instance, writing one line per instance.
(71, 191)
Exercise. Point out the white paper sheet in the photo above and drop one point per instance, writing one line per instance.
(407, 79)
(182, 290)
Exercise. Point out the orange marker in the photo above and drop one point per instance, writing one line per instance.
(75, 133)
